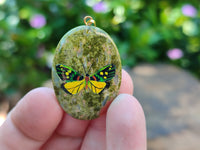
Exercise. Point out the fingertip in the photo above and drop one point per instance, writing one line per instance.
(126, 84)
(72, 127)
(125, 120)
(127, 107)
(37, 114)
(125, 88)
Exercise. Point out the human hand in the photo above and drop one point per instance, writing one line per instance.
(38, 122)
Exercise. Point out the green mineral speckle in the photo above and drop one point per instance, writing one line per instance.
(86, 49)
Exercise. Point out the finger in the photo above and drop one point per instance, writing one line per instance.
(95, 136)
(32, 121)
(68, 135)
(60, 142)
(126, 87)
(125, 124)
(126, 83)
(72, 127)
(96, 133)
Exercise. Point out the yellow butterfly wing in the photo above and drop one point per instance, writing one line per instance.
(96, 86)
(73, 87)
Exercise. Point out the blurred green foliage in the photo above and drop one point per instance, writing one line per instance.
(144, 31)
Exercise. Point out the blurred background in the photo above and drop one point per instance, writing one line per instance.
(159, 44)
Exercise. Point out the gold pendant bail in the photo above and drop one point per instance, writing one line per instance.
(88, 20)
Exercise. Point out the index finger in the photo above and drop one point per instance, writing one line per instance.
(32, 121)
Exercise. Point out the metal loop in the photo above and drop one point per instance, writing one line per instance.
(88, 20)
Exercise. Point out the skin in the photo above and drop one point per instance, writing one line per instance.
(38, 123)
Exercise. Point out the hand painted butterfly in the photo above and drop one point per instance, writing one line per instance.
(74, 82)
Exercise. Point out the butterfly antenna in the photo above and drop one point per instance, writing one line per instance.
(84, 68)
(90, 68)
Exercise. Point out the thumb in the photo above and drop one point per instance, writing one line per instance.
(125, 124)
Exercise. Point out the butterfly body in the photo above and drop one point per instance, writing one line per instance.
(74, 82)
(87, 78)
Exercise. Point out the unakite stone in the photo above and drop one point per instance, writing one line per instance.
(86, 71)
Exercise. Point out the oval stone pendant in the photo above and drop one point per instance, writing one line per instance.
(86, 71)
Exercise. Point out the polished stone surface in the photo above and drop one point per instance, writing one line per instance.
(86, 71)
